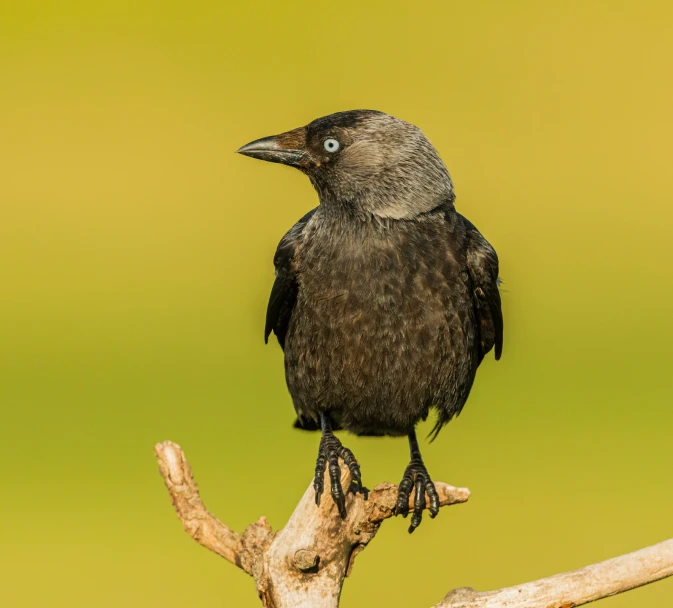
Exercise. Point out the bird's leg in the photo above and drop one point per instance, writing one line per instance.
(416, 476)
(328, 455)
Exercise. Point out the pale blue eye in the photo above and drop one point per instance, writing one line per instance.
(331, 145)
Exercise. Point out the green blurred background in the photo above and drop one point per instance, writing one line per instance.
(135, 255)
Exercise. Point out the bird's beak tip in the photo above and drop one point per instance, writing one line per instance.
(272, 149)
(266, 144)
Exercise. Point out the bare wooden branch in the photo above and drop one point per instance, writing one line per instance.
(201, 525)
(577, 587)
(305, 563)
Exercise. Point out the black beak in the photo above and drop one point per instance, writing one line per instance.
(287, 148)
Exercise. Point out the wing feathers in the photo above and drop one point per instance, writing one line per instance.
(284, 291)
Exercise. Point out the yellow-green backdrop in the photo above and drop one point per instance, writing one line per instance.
(135, 263)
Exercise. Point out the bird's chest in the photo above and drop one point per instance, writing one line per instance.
(376, 289)
(382, 327)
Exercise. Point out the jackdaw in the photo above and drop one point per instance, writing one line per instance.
(385, 300)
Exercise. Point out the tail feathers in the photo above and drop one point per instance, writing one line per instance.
(307, 424)
(442, 419)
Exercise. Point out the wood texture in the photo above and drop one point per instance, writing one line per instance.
(306, 562)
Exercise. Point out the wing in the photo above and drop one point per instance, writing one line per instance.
(482, 265)
(284, 291)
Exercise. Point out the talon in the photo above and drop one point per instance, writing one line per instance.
(434, 498)
(328, 458)
(416, 478)
(356, 477)
(318, 484)
(402, 507)
(419, 504)
(335, 479)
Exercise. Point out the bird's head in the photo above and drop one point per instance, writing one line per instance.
(363, 161)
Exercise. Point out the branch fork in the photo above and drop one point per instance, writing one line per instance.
(305, 563)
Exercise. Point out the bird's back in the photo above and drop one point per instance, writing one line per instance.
(384, 324)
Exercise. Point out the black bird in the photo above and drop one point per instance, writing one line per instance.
(386, 299)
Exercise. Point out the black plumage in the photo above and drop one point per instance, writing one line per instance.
(386, 299)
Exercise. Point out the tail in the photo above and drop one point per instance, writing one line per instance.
(439, 425)
(307, 424)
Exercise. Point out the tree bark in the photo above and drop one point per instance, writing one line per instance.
(305, 563)
(577, 587)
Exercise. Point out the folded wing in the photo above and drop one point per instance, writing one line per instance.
(285, 287)
(482, 265)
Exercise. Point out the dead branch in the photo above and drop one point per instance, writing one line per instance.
(577, 587)
(305, 563)
(203, 527)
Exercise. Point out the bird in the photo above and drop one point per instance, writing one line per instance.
(385, 299)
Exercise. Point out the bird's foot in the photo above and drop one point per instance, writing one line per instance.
(416, 477)
(328, 456)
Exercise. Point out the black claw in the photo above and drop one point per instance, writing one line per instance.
(318, 484)
(434, 498)
(328, 457)
(402, 507)
(419, 504)
(416, 477)
(356, 479)
(335, 482)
